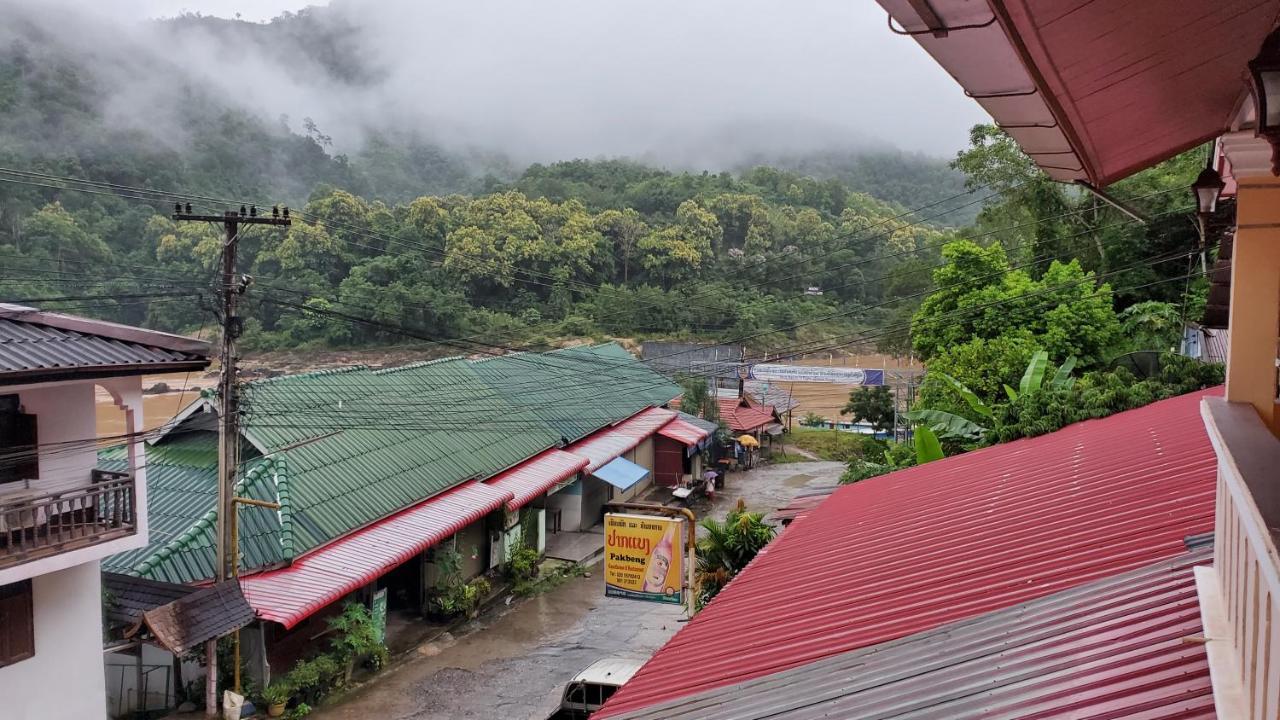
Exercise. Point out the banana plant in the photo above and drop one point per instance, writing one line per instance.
(958, 427)
(951, 425)
(928, 447)
(1033, 378)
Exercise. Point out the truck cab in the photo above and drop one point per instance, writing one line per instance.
(589, 689)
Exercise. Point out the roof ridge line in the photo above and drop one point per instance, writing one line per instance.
(418, 364)
(310, 374)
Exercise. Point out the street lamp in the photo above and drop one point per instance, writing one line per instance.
(1207, 188)
(1265, 72)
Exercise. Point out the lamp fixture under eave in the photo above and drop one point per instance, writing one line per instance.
(1208, 188)
(1264, 70)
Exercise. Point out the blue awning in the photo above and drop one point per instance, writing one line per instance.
(621, 473)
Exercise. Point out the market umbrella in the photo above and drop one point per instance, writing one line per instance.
(748, 441)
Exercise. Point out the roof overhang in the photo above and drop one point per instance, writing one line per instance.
(1096, 90)
(102, 328)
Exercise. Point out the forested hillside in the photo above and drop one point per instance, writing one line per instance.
(397, 237)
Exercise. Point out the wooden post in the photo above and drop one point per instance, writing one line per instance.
(211, 679)
(232, 286)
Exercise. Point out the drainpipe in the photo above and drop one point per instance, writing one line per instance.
(691, 542)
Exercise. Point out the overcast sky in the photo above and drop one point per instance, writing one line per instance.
(679, 81)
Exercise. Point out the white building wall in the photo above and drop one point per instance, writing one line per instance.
(64, 414)
(67, 412)
(65, 678)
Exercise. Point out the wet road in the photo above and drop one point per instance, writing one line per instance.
(513, 661)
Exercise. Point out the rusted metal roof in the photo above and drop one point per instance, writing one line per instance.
(607, 444)
(909, 551)
(290, 594)
(1113, 648)
(535, 476)
(127, 598)
(37, 345)
(205, 614)
(802, 504)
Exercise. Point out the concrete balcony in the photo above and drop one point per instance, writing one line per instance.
(36, 524)
(1240, 594)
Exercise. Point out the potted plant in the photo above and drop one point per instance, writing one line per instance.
(276, 697)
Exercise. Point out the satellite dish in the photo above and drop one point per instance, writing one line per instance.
(1143, 363)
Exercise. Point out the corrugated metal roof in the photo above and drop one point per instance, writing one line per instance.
(909, 551)
(208, 613)
(535, 476)
(32, 347)
(773, 394)
(126, 598)
(609, 443)
(684, 431)
(802, 504)
(362, 445)
(579, 390)
(349, 447)
(182, 473)
(191, 556)
(1114, 648)
(742, 418)
(290, 594)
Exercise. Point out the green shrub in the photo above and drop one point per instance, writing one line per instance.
(835, 445)
(357, 637)
(523, 565)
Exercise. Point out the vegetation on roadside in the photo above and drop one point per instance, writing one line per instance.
(451, 596)
(835, 445)
(726, 549)
(354, 641)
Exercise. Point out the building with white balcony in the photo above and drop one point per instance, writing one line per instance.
(59, 513)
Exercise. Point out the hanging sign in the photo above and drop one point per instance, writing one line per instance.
(805, 373)
(643, 558)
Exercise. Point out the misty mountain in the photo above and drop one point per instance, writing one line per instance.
(275, 110)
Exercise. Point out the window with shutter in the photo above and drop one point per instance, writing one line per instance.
(17, 439)
(17, 623)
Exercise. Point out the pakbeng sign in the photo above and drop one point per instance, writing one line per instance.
(643, 558)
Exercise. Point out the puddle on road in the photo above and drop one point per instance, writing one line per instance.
(798, 481)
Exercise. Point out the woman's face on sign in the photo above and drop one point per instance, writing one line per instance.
(658, 568)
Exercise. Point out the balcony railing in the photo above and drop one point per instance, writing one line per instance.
(40, 524)
(1242, 622)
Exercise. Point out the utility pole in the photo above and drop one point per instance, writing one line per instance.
(231, 287)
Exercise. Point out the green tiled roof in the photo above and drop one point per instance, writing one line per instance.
(577, 391)
(362, 444)
(181, 475)
(339, 449)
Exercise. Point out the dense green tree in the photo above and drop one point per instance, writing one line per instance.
(980, 297)
(871, 405)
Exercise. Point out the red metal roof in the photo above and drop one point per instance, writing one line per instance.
(742, 418)
(683, 431)
(1113, 648)
(604, 445)
(1097, 90)
(909, 551)
(323, 576)
(535, 476)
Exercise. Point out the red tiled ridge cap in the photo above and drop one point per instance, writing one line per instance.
(906, 552)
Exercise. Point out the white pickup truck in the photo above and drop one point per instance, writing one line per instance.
(589, 689)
